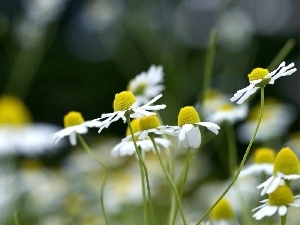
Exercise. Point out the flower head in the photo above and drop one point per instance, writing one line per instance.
(222, 211)
(125, 102)
(18, 134)
(74, 124)
(126, 146)
(188, 128)
(279, 200)
(286, 167)
(147, 84)
(263, 162)
(261, 77)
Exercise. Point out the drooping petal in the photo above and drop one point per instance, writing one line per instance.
(282, 210)
(211, 126)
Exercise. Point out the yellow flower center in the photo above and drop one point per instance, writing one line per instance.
(264, 155)
(73, 118)
(222, 211)
(286, 162)
(281, 196)
(140, 90)
(226, 107)
(13, 111)
(149, 122)
(211, 94)
(188, 115)
(123, 101)
(258, 73)
(30, 164)
(135, 124)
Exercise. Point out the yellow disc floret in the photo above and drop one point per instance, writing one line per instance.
(149, 122)
(123, 101)
(281, 196)
(135, 124)
(139, 90)
(13, 111)
(188, 115)
(73, 118)
(264, 155)
(226, 107)
(222, 211)
(286, 162)
(258, 73)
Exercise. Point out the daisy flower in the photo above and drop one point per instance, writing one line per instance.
(125, 102)
(261, 77)
(74, 124)
(126, 147)
(263, 162)
(273, 111)
(188, 128)
(147, 84)
(229, 112)
(278, 201)
(286, 168)
(18, 134)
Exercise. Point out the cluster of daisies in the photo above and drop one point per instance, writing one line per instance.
(136, 107)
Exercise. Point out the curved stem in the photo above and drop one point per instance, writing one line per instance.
(243, 160)
(283, 219)
(144, 194)
(232, 148)
(144, 167)
(169, 179)
(186, 170)
(87, 148)
(16, 218)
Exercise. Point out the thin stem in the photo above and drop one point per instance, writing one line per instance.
(231, 147)
(144, 167)
(145, 210)
(169, 179)
(243, 160)
(16, 218)
(87, 148)
(186, 170)
(283, 219)
(284, 51)
(210, 54)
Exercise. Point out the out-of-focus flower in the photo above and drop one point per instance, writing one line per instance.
(273, 111)
(126, 146)
(17, 134)
(74, 124)
(147, 85)
(263, 162)
(286, 167)
(278, 201)
(188, 128)
(223, 213)
(230, 113)
(125, 102)
(261, 77)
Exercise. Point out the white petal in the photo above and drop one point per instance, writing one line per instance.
(194, 137)
(273, 185)
(211, 126)
(282, 210)
(72, 138)
(265, 211)
(247, 95)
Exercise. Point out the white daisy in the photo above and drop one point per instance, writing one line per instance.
(261, 77)
(126, 147)
(229, 112)
(74, 124)
(18, 134)
(188, 128)
(278, 201)
(147, 84)
(286, 167)
(263, 163)
(125, 102)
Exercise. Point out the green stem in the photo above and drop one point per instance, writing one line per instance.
(145, 210)
(16, 218)
(209, 59)
(243, 160)
(281, 54)
(87, 148)
(127, 115)
(169, 179)
(231, 147)
(283, 219)
(186, 170)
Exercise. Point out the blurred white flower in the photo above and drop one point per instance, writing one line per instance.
(147, 85)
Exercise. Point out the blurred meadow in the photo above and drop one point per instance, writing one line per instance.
(58, 56)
